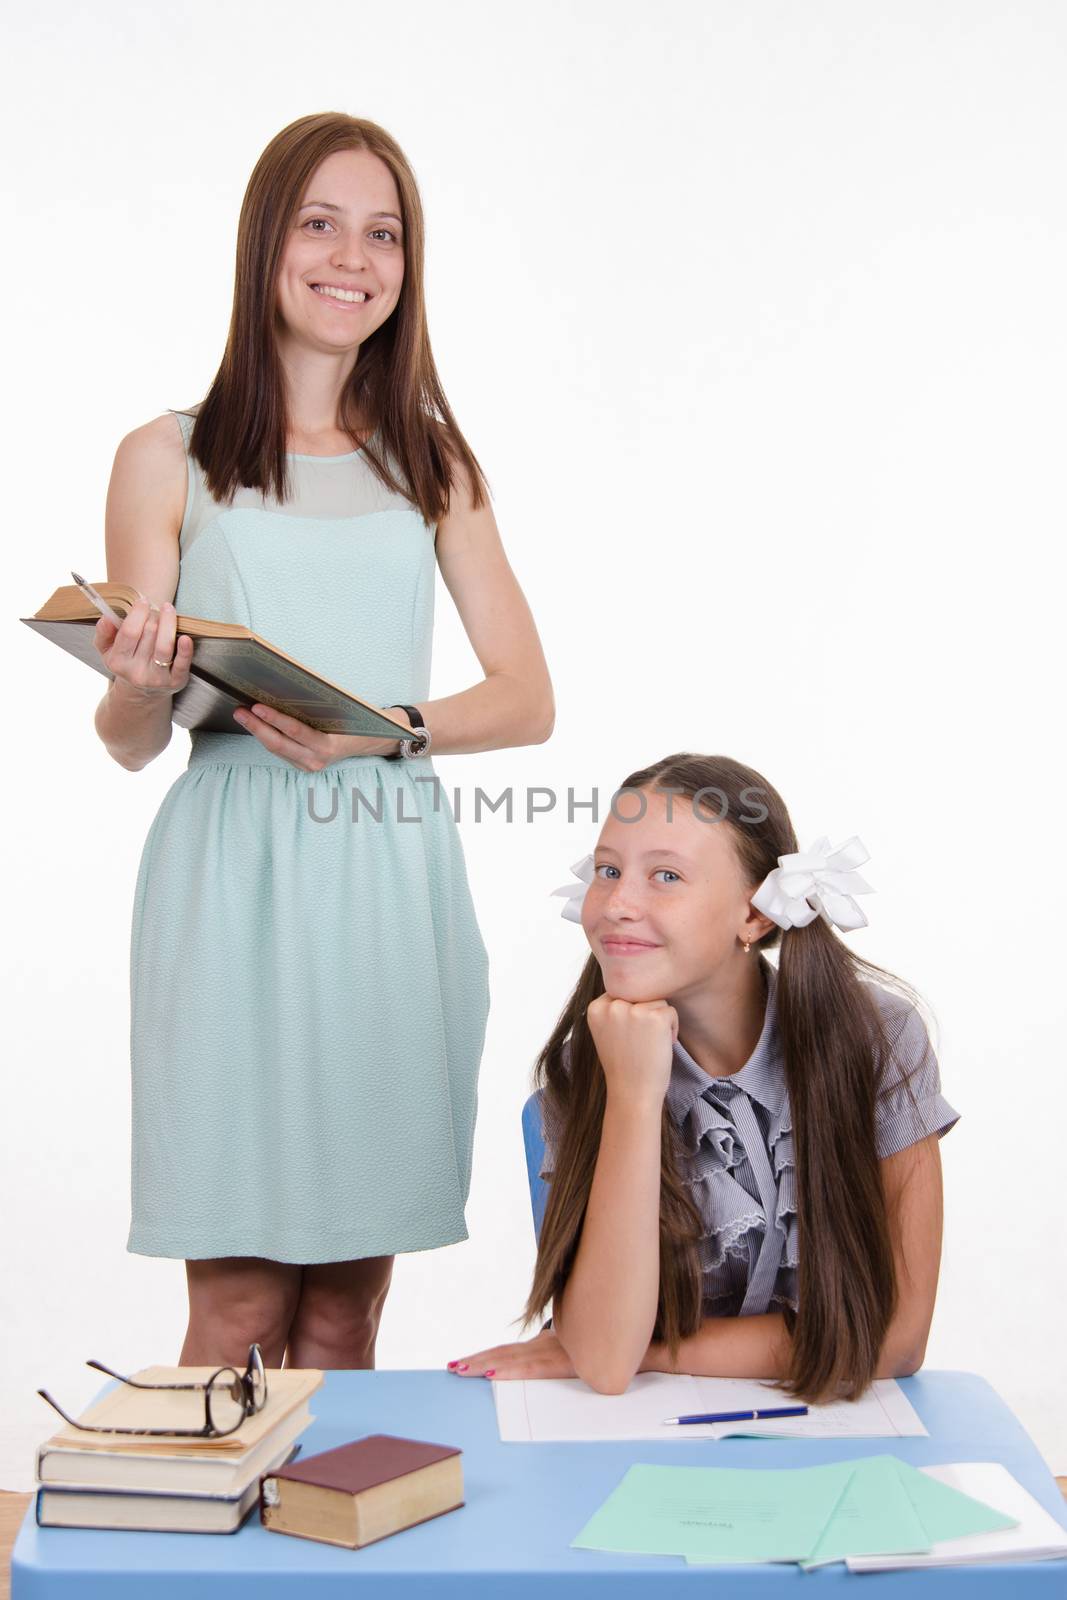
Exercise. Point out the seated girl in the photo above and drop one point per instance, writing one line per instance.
(742, 1156)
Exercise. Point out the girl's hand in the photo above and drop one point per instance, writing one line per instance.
(634, 1040)
(145, 636)
(540, 1357)
(304, 746)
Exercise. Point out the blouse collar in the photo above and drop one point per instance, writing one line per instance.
(761, 1077)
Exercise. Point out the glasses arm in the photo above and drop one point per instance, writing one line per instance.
(99, 1365)
(144, 1433)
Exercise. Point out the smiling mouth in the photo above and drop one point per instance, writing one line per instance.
(345, 297)
(628, 944)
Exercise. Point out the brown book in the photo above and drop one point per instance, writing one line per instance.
(363, 1491)
(231, 666)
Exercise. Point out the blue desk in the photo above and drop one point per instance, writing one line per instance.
(525, 1502)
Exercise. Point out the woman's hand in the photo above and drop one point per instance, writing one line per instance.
(540, 1357)
(306, 747)
(144, 637)
(635, 1042)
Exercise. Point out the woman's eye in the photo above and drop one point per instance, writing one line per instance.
(310, 220)
(389, 231)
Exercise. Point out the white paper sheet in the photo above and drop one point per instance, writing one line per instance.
(541, 1410)
(1038, 1537)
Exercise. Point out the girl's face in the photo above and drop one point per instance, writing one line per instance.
(668, 901)
(347, 235)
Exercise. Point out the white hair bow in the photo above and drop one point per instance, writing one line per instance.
(583, 871)
(816, 882)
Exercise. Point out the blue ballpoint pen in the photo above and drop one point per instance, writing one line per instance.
(742, 1416)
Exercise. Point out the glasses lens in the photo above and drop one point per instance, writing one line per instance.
(226, 1400)
(259, 1381)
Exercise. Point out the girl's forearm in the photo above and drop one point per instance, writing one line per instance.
(605, 1317)
(759, 1347)
(727, 1347)
(497, 714)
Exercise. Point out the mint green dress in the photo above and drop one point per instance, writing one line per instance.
(309, 985)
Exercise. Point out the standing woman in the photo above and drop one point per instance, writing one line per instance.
(309, 985)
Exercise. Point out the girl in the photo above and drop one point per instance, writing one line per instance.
(745, 1178)
(309, 982)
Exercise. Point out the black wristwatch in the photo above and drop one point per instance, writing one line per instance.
(417, 746)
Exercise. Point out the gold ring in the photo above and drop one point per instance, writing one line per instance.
(156, 663)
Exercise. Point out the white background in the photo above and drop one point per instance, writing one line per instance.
(754, 316)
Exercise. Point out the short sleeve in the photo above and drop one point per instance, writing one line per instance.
(910, 1105)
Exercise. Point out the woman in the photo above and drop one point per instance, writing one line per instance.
(745, 1179)
(309, 986)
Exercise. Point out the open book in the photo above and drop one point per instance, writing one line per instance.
(231, 667)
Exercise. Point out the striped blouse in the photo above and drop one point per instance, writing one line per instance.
(735, 1139)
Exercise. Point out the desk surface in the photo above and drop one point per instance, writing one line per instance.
(525, 1502)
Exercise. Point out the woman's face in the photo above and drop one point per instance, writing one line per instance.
(347, 235)
(668, 901)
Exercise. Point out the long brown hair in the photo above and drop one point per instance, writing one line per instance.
(241, 427)
(835, 1047)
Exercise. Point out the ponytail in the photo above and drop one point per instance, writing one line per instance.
(832, 1040)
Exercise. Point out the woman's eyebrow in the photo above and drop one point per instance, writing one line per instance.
(326, 205)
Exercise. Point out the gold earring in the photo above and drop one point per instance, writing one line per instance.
(747, 947)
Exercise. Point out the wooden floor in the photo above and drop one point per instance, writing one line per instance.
(13, 1509)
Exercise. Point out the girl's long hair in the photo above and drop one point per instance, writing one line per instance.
(241, 428)
(835, 1047)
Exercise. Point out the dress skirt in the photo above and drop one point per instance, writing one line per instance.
(309, 998)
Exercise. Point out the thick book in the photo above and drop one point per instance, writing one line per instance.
(231, 666)
(151, 1512)
(122, 1406)
(165, 1469)
(363, 1491)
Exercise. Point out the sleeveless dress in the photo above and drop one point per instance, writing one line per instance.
(308, 982)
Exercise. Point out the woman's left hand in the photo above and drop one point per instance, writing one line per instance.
(306, 747)
(540, 1357)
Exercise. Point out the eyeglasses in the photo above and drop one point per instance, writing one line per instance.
(229, 1397)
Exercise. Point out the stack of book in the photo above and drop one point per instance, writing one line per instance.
(169, 1484)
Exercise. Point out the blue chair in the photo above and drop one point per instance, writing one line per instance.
(534, 1141)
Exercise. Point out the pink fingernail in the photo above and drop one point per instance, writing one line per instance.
(490, 1372)
(452, 1366)
(462, 1366)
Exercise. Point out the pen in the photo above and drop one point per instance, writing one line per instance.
(98, 600)
(742, 1416)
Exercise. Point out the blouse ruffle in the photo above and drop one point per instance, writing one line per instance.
(734, 1221)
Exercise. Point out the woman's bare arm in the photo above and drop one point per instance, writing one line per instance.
(145, 504)
(514, 704)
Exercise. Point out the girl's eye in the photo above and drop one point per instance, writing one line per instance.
(606, 865)
(310, 220)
